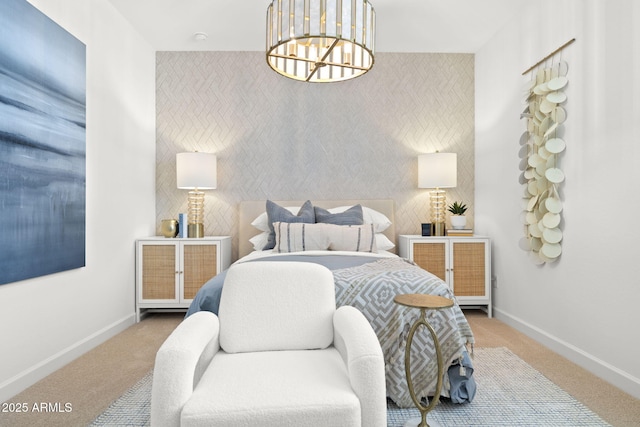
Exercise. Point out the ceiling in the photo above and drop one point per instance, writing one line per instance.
(454, 26)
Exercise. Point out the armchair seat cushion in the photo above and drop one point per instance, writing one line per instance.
(274, 388)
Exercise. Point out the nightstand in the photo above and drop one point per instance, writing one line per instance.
(464, 263)
(169, 272)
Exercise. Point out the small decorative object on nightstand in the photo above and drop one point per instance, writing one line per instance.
(424, 303)
(458, 220)
(169, 228)
(169, 272)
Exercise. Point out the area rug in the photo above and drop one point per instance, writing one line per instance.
(510, 393)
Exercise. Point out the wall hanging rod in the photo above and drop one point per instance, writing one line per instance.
(549, 56)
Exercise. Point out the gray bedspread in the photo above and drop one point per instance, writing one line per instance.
(371, 288)
(369, 284)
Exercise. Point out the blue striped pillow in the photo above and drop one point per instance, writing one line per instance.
(297, 237)
(356, 238)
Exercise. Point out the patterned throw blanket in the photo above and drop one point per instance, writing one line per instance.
(371, 288)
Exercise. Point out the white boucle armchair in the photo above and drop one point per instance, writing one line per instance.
(278, 354)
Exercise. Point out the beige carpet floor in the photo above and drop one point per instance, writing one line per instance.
(93, 381)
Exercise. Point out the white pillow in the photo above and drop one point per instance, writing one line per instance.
(383, 243)
(262, 221)
(296, 237)
(300, 236)
(370, 216)
(259, 241)
(358, 238)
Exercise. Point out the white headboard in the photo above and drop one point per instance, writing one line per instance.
(249, 210)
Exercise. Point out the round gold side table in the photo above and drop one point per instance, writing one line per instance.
(423, 302)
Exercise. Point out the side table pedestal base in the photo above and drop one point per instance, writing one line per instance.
(415, 422)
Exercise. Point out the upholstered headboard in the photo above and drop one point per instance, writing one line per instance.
(249, 210)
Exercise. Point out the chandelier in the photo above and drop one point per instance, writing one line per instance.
(320, 40)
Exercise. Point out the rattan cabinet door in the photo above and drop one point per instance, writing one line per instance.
(199, 265)
(432, 257)
(469, 268)
(159, 269)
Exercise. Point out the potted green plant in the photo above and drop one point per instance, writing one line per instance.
(458, 220)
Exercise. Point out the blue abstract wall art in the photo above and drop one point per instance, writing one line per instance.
(42, 145)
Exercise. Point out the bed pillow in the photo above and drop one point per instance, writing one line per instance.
(358, 238)
(259, 241)
(296, 237)
(276, 213)
(369, 216)
(351, 216)
(262, 221)
(383, 243)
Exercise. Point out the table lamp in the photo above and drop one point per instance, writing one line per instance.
(196, 172)
(437, 171)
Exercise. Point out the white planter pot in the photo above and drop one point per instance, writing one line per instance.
(458, 222)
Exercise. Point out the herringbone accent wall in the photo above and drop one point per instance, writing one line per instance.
(281, 139)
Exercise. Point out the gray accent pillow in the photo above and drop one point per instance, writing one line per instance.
(352, 216)
(276, 213)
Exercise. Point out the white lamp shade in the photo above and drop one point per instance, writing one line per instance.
(196, 170)
(437, 170)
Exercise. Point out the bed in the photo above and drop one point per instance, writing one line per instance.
(367, 276)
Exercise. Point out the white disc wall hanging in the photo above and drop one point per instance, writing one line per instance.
(541, 146)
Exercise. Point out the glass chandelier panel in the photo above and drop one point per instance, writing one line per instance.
(320, 40)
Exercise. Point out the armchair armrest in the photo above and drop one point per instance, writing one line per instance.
(358, 344)
(180, 362)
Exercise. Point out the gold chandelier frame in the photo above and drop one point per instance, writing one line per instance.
(320, 40)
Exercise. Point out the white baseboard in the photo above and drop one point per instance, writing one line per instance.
(28, 377)
(615, 376)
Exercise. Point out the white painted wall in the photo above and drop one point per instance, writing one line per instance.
(585, 305)
(48, 321)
